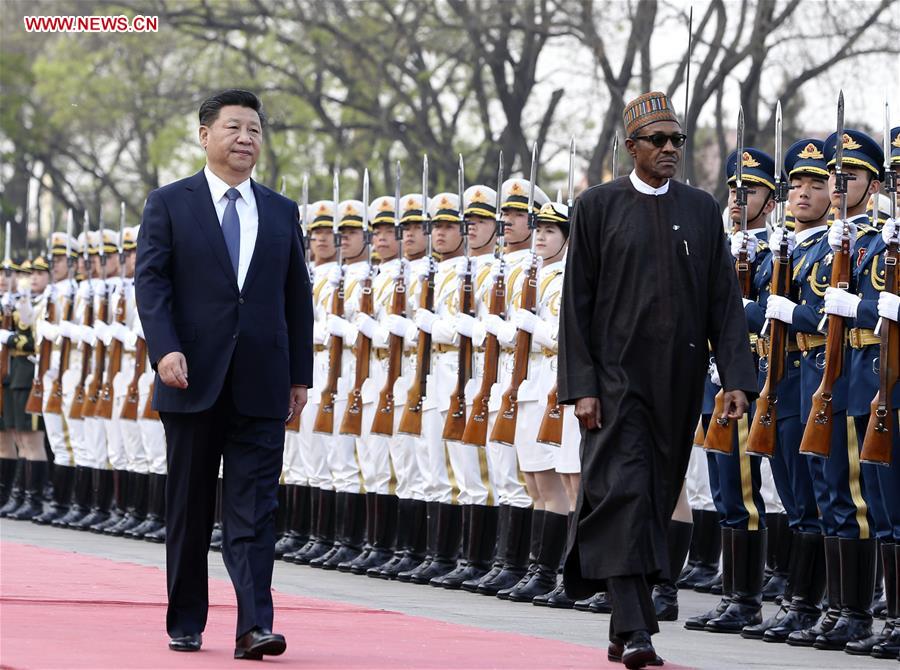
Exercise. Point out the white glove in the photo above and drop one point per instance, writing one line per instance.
(841, 303)
(423, 268)
(365, 324)
(47, 331)
(88, 335)
(778, 307)
(319, 333)
(425, 319)
(888, 305)
(102, 332)
(747, 302)
(469, 326)
(737, 244)
(775, 240)
(335, 274)
(836, 231)
(338, 327)
(70, 331)
(401, 268)
(535, 260)
(120, 332)
(26, 312)
(888, 230)
(400, 326)
(497, 265)
(714, 374)
(4, 336)
(502, 329)
(84, 290)
(525, 320)
(138, 328)
(460, 267)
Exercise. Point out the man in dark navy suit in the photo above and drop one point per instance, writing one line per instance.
(225, 303)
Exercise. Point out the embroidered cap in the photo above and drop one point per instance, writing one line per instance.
(646, 109)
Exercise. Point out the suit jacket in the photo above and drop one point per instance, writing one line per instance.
(189, 301)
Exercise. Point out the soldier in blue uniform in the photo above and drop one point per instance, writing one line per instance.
(735, 478)
(837, 480)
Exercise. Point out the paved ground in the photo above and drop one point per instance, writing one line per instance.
(700, 650)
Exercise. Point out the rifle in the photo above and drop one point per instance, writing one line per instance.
(762, 439)
(93, 390)
(7, 320)
(35, 402)
(550, 430)
(324, 422)
(383, 422)
(721, 432)
(877, 443)
(107, 393)
(293, 425)
(475, 432)
(352, 421)
(817, 435)
(411, 419)
(54, 403)
(504, 429)
(455, 423)
(76, 411)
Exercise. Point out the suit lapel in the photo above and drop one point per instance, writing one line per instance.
(201, 205)
(263, 211)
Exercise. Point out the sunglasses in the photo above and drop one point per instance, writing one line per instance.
(659, 139)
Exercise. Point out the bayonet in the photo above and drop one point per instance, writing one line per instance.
(336, 222)
(687, 91)
(426, 221)
(615, 157)
(365, 217)
(498, 216)
(463, 227)
(570, 192)
(304, 207)
(532, 217)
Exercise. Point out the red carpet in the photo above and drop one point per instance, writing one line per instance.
(66, 610)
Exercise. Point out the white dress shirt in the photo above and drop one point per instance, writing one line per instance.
(247, 212)
(643, 187)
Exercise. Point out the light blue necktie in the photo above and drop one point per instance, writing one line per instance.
(231, 228)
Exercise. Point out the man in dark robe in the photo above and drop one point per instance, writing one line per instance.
(649, 285)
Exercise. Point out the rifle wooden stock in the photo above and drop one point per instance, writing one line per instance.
(351, 424)
(504, 429)
(35, 402)
(113, 367)
(54, 402)
(411, 418)
(77, 409)
(92, 395)
(721, 431)
(383, 421)
(817, 434)
(762, 439)
(455, 424)
(550, 431)
(133, 394)
(149, 412)
(7, 323)
(477, 424)
(878, 442)
(324, 422)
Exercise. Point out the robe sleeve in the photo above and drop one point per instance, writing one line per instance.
(726, 322)
(577, 375)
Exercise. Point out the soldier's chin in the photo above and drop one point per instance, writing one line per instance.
(667, 168)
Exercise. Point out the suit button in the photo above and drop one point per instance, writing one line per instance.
(240, 301)
(234, 337)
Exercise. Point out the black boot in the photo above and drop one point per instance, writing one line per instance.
(779, 555)
(431, 539)
(297, 533)
(447, 545)
(552, 546)
(156, 533)
(137, 498)
(558, 598)
(879, 603)
(807, 585)
(537, 525)
(745, 609)
(707, 538)
(325, 529)
(482, 535)
(665, 594)
(384, 535)
(890, 648)
(156, 496)
(8, 467)
(807, 636)
(16, 489)
(756, 631)
(353, 531)
(79, 505)
(499, 544)
(119, 507)
(865, 647)
(309, 523)
(368, 534)
(598, 603)
(63, 480)
(412, 538)
(282, 517)
(33, 501)
(857, 586)
(699, 622)
(515, 563)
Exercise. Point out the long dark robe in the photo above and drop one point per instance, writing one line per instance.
(649, 281)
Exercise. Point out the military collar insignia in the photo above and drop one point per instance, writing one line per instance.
(829, 258)
(810, 151)
(850, 143)
(748, 161)
(860, 255)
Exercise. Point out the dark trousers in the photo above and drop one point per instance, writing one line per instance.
(792, 479)
(632, 606)
(882, 485)
(251, 450)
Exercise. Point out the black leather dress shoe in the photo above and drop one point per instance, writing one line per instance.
(616, 648)
(259, 642)
(636, 652)
(190, 642)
